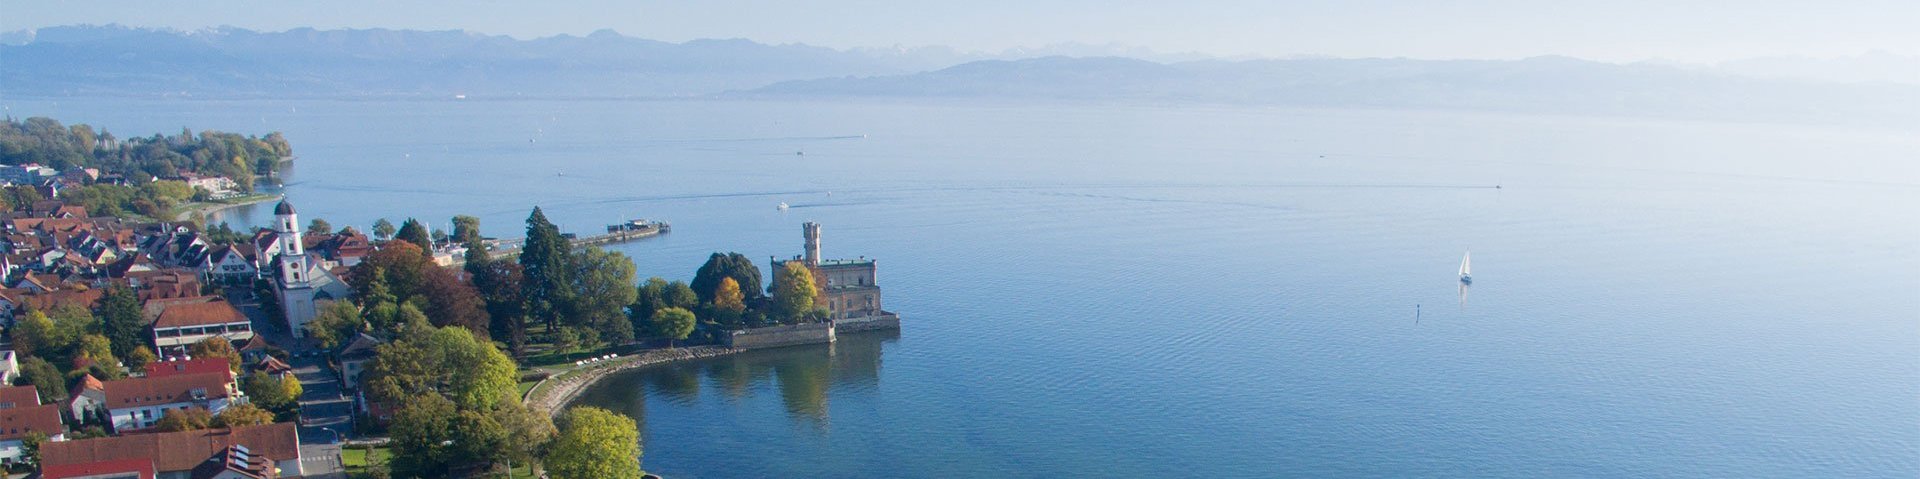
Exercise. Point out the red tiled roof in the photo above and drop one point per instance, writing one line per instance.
(16, 422)
(152, 308)
(143, 467)
(199, 314)
(161, 369)
(19, 396)
(134, 392)
(176, 451)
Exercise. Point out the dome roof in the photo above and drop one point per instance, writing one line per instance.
(284, 208)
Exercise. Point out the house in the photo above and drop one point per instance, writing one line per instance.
(88, 399)
(273, 366)
(176, 455)
(161, 369)
(137, 403)
(181, 325)
(252, 349)
(354, 358)
(22, 414)
(231, 264)
(9, 367)
(218, 187)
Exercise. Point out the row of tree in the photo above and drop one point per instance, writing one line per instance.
(45, 141)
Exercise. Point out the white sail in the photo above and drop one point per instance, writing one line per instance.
(1466, 265)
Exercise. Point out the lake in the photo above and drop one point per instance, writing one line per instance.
(1160, 291)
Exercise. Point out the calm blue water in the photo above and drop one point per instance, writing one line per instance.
(1187, 292)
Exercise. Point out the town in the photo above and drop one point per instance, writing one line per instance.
(143, 345)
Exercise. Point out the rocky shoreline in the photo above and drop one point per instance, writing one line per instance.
(555, 392)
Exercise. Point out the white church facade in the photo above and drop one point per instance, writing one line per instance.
(302, 282)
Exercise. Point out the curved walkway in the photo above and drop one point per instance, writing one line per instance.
(555, 392)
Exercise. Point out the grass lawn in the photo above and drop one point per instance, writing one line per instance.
(358, 460)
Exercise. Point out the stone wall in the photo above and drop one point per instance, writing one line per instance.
(553, 394)
(780, 336)
(884, 320)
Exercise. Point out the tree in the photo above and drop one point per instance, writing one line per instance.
(45, 378)
(216, 347)
(466, 229)
(448, 362)
(680, 295)
(673, 323)
(730, 265)
(335, 323)
(602, 289)
(544, 260)
(35, 336)
(319, 227)
(793, 291)
(595, 444)
(383, 229)
(121, 319)
(421, 434)
(412, 232)
(138, 359)
(727, 297)
(241, 415)
(400, 273)
(30, 448)
(96, 349)
(188, 419)
(501, 284)
(266, 390)
(649, 297)
(432, 436)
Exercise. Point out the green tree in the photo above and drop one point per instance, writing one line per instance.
(188, 419)
(680, 295)
(412, 231)
(319, 227)
(266, 390)
(602, 289)
(35, 335)
(121, 320)
(544, 259)
(335, 323)
(673, 323)
(466, 229)
(98, 350)
(730, 265)
(595, 443)
(445, 361)
(216, 347)
(45, 378)
(793, 291)
(30, 449)
(241, 415)
(500, 284)
(421, 437)
(383, 229)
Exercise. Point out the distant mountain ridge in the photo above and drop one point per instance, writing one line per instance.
(1540, 84)
(233, 62)
(306, 62)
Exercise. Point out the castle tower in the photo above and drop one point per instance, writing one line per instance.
(293, 255)
(812, 232)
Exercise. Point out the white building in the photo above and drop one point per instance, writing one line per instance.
(137, 403)
(304, 282)
(181, 325)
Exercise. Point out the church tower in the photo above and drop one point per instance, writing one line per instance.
(293, 255)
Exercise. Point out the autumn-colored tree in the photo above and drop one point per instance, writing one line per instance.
(400, 272)
(138, 359)
(793, 291)
(189, 419)
(727, 297)
(241, 415)
(216, 347)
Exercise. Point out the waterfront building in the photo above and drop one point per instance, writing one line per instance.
(848, 288)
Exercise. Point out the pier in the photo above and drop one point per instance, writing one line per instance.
(619, 233)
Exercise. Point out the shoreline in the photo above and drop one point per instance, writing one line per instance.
(555, 392)
(205, 208)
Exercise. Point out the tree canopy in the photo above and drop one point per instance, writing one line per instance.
(595, 443)
(448, 362)
(793, 290)
(730, 265)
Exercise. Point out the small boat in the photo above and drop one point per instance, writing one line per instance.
(783, 206)
(1466, 268)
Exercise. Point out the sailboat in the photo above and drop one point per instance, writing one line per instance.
(1466, 268)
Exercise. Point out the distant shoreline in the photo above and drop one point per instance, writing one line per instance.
(206, 208)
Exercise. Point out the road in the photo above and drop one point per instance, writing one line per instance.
(326, 413)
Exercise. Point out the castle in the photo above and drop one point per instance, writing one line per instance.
(847, 287)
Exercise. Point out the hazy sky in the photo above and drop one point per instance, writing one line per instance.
(1613, 30)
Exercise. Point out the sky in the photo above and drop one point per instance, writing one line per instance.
(1698, 31)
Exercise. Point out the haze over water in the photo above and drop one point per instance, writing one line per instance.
(1208, 292)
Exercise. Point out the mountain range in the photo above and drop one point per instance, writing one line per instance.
(232, 62)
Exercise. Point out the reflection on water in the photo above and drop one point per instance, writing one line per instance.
(802, 376)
